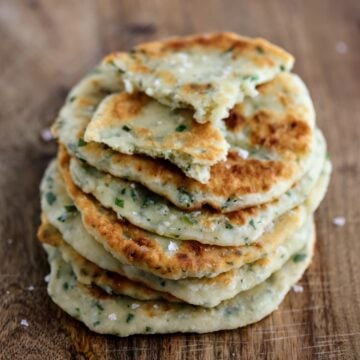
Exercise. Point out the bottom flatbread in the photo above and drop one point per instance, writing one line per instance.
(124, 316)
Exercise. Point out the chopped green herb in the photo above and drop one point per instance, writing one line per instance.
(126, 128)
(148, 329)
(96, 323)
(99, 306)
(328, 157)
(254, 77)
(129, 317)
(70, 208)
(299, 257)
(189, 220)
(282, 67)
(185, 197)
(133, 194)
(119, 202)
(229, 50)
(228, 225)
(50, 197)
(123, 191)
(260, 50)
(72, 98)
(252, 223)
(288, 193)
(82, 142)
(65, 286)
(63, 217)
(149, 200)
(181, 128)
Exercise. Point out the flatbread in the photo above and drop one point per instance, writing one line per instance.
(209, 73)
(207, 292)
(108, 314)
(143, 208)
(256, 170)
(204, 292)
(137, 124)
(164, 257)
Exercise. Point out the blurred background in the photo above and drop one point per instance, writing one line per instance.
(46, 46)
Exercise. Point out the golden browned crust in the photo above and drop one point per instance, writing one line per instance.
(48, 234)
(139, 248)
(221, 42)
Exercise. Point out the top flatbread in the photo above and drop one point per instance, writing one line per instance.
(135, 123)
(275, 130)
(209, 73)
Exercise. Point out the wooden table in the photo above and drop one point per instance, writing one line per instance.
(46, 46)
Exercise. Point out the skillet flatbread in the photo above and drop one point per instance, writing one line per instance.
(209, 73)
(204, 292)
(164, 257)
(116, 315)
(256, 170)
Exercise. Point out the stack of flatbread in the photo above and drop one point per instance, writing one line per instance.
(183, 192)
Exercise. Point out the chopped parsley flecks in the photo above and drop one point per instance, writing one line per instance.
(82, 142)
(133, 194)
(129, 317)
(148, 200)
(99, 306)
(63, 217)
(229, 50)
(282, 67)
(260, 50)
(252, 224)
(65, 286)
(96, 323)
(70, 208)
(288, 193)
(148, 329)
(123, 191)
(72, 98)
(299, 257)
(181, 128)
(184, 196)
(50, 197)
(228, 225)
(189, 220)
(119, 202)
(126, 128)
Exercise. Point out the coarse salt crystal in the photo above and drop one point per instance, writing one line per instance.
(298, 288)
(149, 91)
(243, 153)
(24, 322)
(339, 221)
(46, 135)
(172, 246)
(341, 47)
(166, 223)
(135, 306)
(112, 317)
(47, 278)
(128, 86)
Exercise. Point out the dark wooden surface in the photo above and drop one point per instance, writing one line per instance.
(46, 46)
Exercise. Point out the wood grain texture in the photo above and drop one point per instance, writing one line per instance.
(46, 46)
